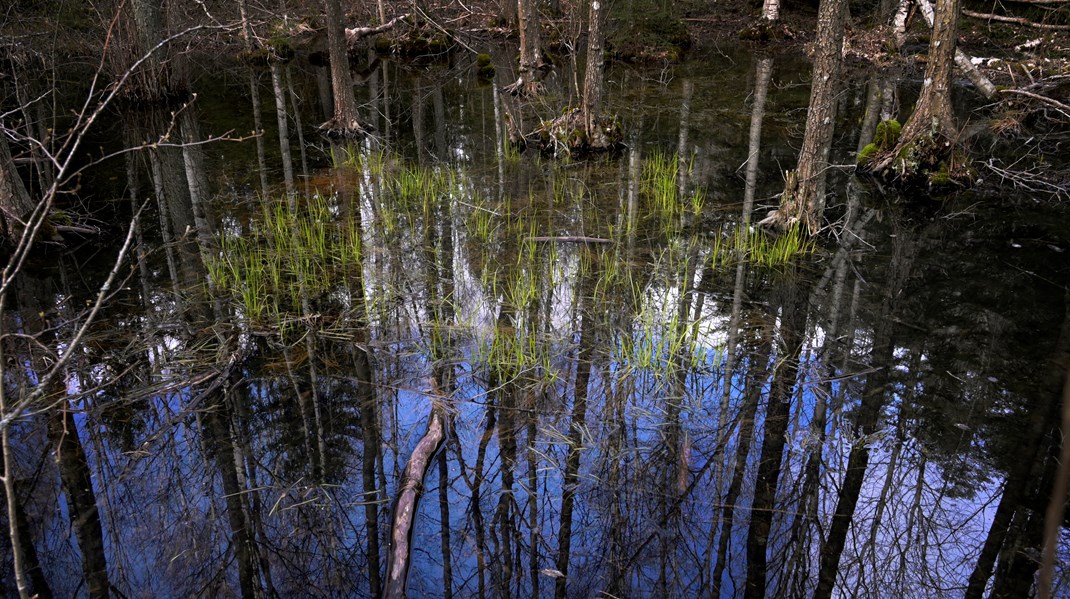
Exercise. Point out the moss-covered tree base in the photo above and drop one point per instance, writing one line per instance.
(929, 162)
(567, 135)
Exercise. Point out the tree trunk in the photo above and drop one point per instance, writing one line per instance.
(530, 54)
(803, 203)
(932, 121)
(592, 81)
(344, 124)
(15, 202)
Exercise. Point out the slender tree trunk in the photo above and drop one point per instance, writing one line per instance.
(530, 54)
(802, 200)
(763, 72)
(282, 118)
(595, 72)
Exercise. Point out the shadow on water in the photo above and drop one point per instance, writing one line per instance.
(639, 395)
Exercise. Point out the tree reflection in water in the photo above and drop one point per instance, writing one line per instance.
(633, 406)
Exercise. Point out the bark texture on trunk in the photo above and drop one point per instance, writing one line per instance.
(15, 202)
(803, 202)
(593, 78)
(344, 123)
(530, 54)
(922, 141)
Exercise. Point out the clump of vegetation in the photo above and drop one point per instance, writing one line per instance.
(567, 134)
(759, 247)
(884, 140)
(290, 255)
(484, 68)
(422, 43)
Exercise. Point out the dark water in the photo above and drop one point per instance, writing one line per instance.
(878, 414)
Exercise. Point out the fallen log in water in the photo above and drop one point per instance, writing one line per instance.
(408, 496)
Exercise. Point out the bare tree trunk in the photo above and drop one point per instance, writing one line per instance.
(595, 73)
(932, 120)
(763, 72)
(802, 200)
(15, 202)
(282, 118)
(771, 10)
(530, 54)
(344, 124)
(982, 83)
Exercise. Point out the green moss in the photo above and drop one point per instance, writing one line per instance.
(485, 72)
(887, 134)
(483, 59)
(866, 155)
(281, 48)
(940, 177)
(383, 45)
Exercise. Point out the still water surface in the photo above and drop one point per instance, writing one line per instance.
(635, 407)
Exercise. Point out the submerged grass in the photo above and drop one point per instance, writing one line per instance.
(288, 255)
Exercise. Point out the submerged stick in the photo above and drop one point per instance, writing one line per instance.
(572, 239)
(409, 492)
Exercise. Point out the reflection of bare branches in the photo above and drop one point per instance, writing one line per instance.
(1027, 179)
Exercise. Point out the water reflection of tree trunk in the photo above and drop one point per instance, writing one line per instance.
(577, 429)
(282, 118)
(757, 374)
(793, 318)
(218, 438)
(1016, 527)
(64, 433)
(867, 418)
(369, 433)
(476, 506)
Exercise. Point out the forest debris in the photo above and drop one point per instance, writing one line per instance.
(355, 34)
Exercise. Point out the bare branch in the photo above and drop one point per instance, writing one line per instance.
(1015, 20)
